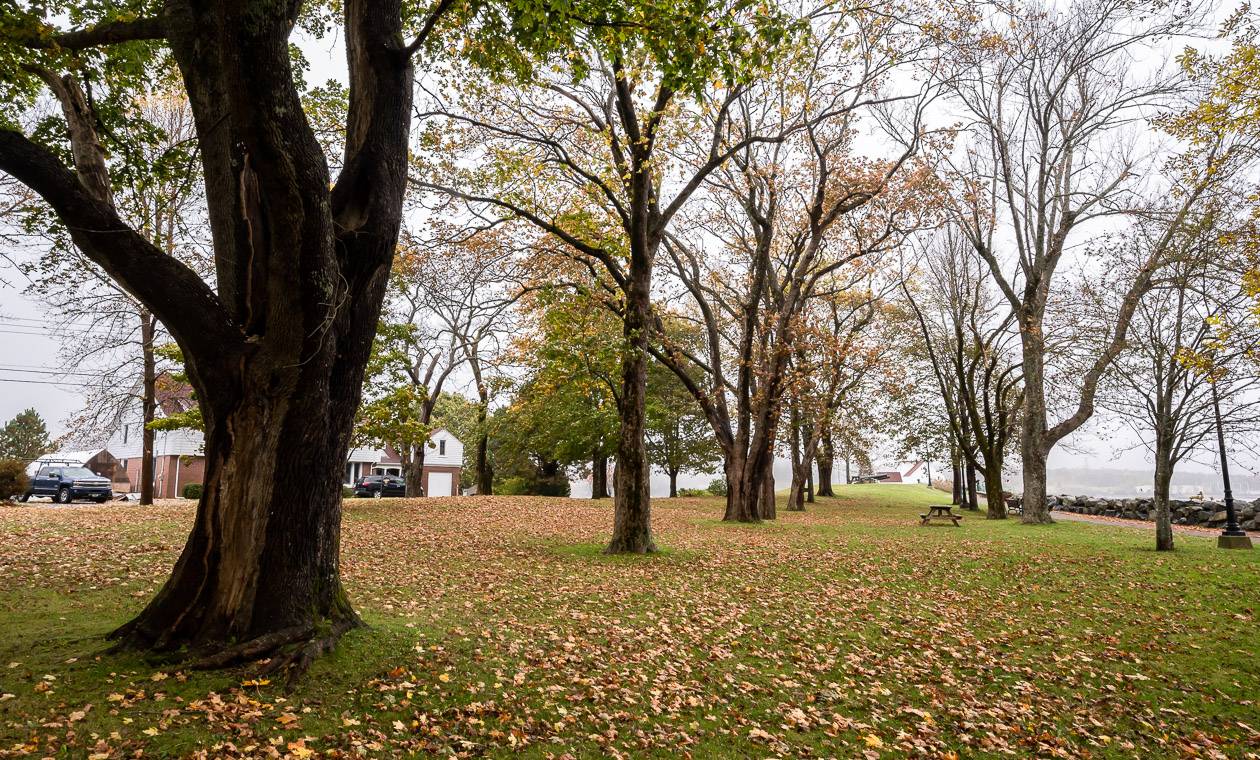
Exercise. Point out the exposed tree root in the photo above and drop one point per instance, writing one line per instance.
(291, 650)
(254, 649)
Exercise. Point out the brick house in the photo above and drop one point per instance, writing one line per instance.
(178, 458)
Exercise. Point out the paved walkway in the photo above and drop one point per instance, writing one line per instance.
(1147, 525)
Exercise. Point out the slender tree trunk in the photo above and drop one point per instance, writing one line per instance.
(414, 472)
(809, 483)
(973, 498)
(848, 478)
(767, 508)
(632, 518)
(673, 484)
(1163, 481)
(149, 405)
(958, 477)
(995, 503)
(599, 475)
(796, 491)
(485, 471)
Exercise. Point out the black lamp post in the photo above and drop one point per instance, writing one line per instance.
(1233, 537)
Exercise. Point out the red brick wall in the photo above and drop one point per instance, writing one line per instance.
(165, 484)
(452, 469)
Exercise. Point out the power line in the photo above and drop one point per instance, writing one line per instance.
(49, 371)
(45, 382)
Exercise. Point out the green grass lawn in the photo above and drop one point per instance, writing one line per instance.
(497, 627)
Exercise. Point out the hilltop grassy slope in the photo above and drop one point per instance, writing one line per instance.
(497, 627)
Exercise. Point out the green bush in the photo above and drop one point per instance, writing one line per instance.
(512, 487)
(717, 486)
(13, 482)
(192, 491)
(521, 486)
(347, 492)
(687, 492)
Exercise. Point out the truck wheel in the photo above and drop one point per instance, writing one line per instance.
(63, 496)
(101, 499)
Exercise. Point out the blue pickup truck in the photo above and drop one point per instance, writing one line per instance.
(65, 483)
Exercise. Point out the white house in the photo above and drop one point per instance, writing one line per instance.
(443, 461)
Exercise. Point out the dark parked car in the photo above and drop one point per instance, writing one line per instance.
(66, 483)
(376, 486)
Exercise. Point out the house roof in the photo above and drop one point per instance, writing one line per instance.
(173, 396)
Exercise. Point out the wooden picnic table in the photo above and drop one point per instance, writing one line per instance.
(940, 512)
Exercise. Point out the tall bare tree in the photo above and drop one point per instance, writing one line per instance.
(1054, 102)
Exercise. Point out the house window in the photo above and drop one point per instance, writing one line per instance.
(442, 447)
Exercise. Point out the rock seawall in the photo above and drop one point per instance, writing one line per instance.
(1184, 511)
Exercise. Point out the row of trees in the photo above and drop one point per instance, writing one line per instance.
(731, 188)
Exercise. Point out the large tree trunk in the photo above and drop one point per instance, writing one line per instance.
(742, 490)
(673, 484)
(1163, 481)
(148, 404)
(260, 567)
(599, 475)
(632, 512)
(995, 502)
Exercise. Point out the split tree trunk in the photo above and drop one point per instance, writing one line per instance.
(826, 460)
(261, 566)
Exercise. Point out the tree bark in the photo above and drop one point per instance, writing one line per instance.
(148, 404)
(1032, 439)
(414, 472)
(263, 556)
(673, 484)
(485, 471)
(1163, 481)
(973, 498)
(599, 475)
(995, 508)
(826, 460)
(957, 494)
(767, 508)
(632, 511)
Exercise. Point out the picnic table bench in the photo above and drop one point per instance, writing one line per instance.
(940, 512)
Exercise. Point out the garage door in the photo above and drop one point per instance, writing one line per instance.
(439, 484)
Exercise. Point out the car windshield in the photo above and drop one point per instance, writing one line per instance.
(373, 478)
(77, 472)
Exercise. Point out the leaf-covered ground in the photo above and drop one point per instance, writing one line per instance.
(498, 628)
